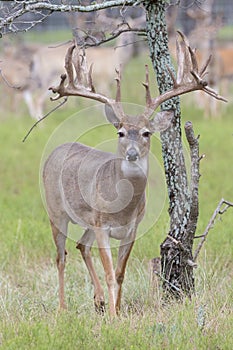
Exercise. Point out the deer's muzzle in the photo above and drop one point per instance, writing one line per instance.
(132, 155)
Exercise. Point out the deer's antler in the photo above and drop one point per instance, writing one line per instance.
(77, 81)
(82, 84)
(189, 77)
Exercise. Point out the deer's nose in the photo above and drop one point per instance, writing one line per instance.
(132, 154)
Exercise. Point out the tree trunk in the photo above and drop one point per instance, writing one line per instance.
(176, 250)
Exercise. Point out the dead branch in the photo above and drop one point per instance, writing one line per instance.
(46, 115)
(112, 36)
(14, 15)
(218, 211)
(195, 176)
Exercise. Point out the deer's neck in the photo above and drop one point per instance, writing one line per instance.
(137, 169)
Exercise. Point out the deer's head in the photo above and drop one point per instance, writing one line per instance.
(134, 132)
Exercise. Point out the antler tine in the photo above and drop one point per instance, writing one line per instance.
(86, 72)
(193, 59)
(118, 106)
(59, 90)
(203, 69)
(214, 94)
(78, 66)
(69, 65)
(90, 81)
(83, 74)
(118, 81)
(147, 87)
(149, 105)
(172, 75)
(184, 61)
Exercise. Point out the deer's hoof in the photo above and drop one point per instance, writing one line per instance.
(99, 306)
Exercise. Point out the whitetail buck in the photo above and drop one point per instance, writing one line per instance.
(105, 192)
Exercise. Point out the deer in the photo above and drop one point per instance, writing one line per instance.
(101, 191)
(15, 73)
(204, 38)
(18, 82)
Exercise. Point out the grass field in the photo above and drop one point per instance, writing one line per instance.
(28, 278)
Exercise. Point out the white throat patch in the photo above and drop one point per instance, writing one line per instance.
(139, 167)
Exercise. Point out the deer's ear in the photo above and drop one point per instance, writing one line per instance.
(161, 121)
(111, 116)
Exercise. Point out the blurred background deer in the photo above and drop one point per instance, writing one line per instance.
(15, 78)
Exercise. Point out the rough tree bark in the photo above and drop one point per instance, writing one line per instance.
(176, 250)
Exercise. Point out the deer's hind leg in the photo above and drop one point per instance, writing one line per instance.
(60, 241)
(84, 245)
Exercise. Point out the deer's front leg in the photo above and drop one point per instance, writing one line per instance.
(85, 244)
(123, 255)
(103, 241)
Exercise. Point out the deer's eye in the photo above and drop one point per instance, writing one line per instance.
(121, 134)
(146, 134)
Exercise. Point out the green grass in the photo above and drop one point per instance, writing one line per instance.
(48, 36)
(28, 278)
(43, 37)
(225, 33)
